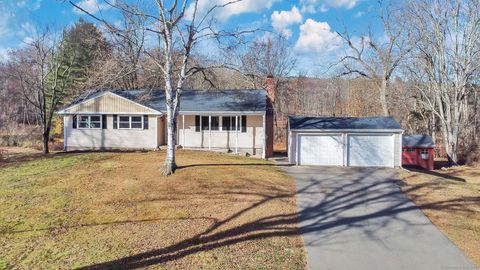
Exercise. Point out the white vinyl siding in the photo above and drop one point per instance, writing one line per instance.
(110, 138)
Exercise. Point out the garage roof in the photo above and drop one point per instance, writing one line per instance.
(315, 123)
(422, 141)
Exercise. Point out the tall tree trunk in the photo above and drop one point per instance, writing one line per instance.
(383, 97)
(45, 137)
(169, 165)
(450, 142)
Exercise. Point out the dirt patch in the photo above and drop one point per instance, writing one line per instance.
(451, 200)
(102, 210)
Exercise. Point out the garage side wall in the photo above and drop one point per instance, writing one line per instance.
(292, 147)
(398, 150)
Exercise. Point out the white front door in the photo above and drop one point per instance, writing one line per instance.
(318, 149)
(371, 150)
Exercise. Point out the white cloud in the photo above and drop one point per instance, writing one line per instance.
(312, 6)
(4, 54)
(224, 13)
(37, 5)
(323, 8)
(27, 29)
(4, 25)
(348, 4)
(91, 6)
(317, 37)
(359, 14)
(281, 20)
(21, 3)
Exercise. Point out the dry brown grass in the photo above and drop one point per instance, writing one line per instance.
(110, 209)
(451, 200)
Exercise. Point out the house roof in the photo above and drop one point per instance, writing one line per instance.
(305, 122)
(422, 141)
(192, 100)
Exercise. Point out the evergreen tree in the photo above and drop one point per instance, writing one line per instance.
(84, 44)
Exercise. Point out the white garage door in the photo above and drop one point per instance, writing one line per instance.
(371, 150)
(320, 150)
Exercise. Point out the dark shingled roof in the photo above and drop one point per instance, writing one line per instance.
(423, 141)
(194, 100)
(303, 122)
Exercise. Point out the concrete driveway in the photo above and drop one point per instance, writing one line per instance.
(357, 218)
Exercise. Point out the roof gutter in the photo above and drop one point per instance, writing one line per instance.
(221, 112)
(348, 130)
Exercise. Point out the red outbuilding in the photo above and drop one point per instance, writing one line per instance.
(418, 150)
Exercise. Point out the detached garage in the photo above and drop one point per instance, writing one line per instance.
(345, 141)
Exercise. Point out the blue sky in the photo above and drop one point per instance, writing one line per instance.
(310, 25)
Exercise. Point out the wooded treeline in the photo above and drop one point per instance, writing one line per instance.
(424, 71)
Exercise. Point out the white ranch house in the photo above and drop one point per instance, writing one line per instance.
(229, 120)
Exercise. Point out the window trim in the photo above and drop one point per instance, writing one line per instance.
(233, 129)
(130, 122)
(89, 116)
(219, 124)
(424, 151)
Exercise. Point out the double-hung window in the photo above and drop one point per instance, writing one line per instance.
(221, 123)
(130, 122)
(90, 121)
(229, 123)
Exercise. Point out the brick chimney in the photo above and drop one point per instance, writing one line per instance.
(270, 86)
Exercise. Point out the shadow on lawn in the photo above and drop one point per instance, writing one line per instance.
(328, 212)
(437, 174)
(179, 167)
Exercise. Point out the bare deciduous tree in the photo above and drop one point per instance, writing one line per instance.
(446, 38)
(178, 26)
(44, 74)
(376, 58)
(271, 56)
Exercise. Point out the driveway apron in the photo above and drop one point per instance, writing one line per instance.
(357, 218)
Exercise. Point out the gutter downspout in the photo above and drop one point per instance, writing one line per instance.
(264, 136)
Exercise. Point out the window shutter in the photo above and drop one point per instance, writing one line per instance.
(244, 123)
(74, 122)
(104, 121)
(145, 122)
(197, 123)
(115, 124)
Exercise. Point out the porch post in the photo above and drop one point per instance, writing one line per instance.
(209, 132)
(183, 130)
(236, 133)
(264, 136)
(66, 123)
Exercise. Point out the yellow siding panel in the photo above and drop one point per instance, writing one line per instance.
(109, 103)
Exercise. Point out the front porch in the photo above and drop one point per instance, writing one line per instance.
(237, 133)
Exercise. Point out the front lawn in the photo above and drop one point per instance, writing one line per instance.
(451, 200)
(103, 210)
